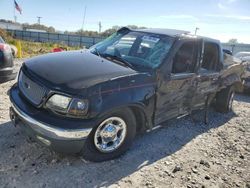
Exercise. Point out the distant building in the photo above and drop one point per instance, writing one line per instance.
(35, 30)
(9, 25)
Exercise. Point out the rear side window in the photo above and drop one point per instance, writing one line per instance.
(210, 56)
(184, 60)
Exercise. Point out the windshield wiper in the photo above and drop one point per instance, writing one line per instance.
(115, 57)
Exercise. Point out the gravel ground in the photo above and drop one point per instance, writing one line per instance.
(184, 153)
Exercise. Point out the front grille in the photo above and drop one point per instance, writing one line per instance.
(31, 90)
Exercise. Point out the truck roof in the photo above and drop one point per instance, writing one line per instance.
(169, 32)
(173, 33)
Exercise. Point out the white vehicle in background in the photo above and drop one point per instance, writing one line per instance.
(245, 57)
(242, 55)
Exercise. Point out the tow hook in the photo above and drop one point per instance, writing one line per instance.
(13, 117)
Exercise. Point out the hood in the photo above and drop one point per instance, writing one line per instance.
(75, 69)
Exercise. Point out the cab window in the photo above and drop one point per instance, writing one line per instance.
(210, 56)
(184, 60)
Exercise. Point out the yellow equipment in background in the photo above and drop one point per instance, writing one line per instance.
(19, 49)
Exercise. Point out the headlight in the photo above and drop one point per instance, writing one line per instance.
(58, 103)
(68, 106)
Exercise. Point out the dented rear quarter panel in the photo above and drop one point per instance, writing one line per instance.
(232, 72)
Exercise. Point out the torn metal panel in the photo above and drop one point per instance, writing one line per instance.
(172, 96)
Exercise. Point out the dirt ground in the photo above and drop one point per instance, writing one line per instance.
(184, 153)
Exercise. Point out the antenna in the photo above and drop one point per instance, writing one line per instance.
(196, 29)
(100, 27)
(39, 19)
(84, 15)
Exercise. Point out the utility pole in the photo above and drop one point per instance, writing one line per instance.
(14, 12)
(100, 27)
(196, 29)
(84, 15)
(39, 20)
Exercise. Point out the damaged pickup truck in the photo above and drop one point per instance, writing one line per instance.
(93, 102)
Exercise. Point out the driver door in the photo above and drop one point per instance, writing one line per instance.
(175, 92)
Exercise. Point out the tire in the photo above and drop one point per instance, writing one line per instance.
(224, 100)
(93, 152)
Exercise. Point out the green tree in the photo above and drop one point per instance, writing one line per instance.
(39, 27)
(233, 41)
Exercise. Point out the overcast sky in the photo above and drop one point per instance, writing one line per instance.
(220, 19)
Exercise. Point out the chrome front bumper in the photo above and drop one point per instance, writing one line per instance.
(48, 130)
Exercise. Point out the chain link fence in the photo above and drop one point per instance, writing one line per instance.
(78, 40)
(70, 40)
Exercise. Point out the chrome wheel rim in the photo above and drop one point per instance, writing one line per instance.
(231, 101)
(110, 134)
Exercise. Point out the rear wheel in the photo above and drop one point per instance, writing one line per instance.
(111, 137)
(224, 99)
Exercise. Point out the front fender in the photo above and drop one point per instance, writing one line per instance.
(136, 91)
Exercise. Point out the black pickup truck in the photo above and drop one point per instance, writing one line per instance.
(94, 101)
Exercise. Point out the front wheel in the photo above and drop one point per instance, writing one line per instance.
(224, 99)
(111, 137)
